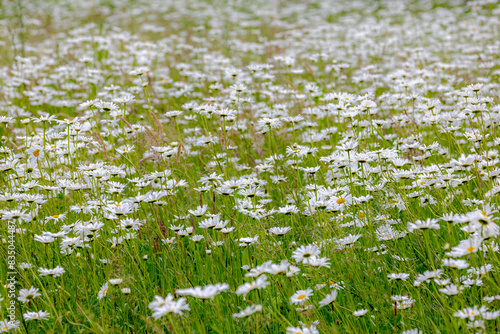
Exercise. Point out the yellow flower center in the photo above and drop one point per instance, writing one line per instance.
(55, 216)
(301, 297)
(470, 249)
(340, 200)
(36, 153)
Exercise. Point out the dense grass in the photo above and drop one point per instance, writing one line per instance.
(150, 147)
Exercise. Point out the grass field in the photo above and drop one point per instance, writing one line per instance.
(293, 167)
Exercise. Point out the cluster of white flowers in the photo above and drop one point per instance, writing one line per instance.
(271, 147)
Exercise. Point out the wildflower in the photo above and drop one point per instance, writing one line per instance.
(56, 272)
(7, 325)
(173, 113)
(296, 151)
(450, 290)
(139, 71)
(131, 224)
(348, 145)
(199, 211)
(490, 299)
(491, 315)
(288, 209)
(103, 291)
(26, 295)
(115, 281)
(318, 262)
(45, 239)
(360, 313)
(248, 311)
(280, 231)
(301, 296)
(401, 276)
(424, 225)
(302, 330)
(305, 253)
(466, 247)
(330, 298)
(206, 292)
(163, 306)
(28, 316)
(260, 283)
(456, 264)
(470, 312)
